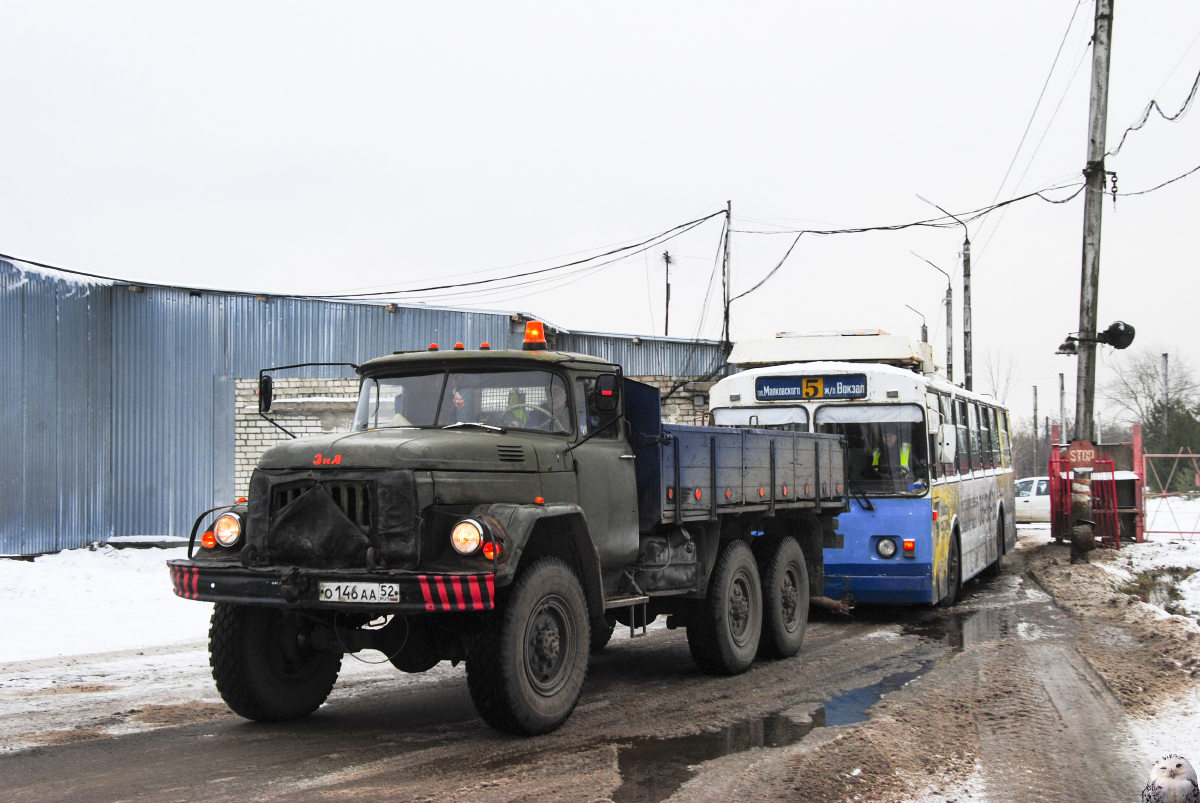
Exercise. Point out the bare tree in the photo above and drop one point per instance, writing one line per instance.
(999, 373)
(1135, 392)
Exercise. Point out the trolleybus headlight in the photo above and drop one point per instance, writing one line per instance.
(466, 536)
(886, 547)
(228, 529)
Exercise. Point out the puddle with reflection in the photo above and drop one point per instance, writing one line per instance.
(653, 769)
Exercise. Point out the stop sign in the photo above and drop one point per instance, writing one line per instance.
(1082, 455)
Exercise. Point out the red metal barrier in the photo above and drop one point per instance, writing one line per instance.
(1060, 494)
(1104, 499)
(1104, 503)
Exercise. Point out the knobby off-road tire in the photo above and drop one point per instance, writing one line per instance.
(526, 674)
(996, 569)
(954, 575)
(261, 669)
(785, 600)
(723, 630)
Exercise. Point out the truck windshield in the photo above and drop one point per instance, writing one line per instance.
(534, 400)
(887, 453)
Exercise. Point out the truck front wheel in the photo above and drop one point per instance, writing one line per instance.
(525, 675)
(723, 630)
(263, 668)
(785, 600)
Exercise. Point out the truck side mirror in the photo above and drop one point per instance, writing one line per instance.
(266, 393)
(947, 443)
(606, 393)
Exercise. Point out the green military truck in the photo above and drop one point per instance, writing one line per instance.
(508, 508)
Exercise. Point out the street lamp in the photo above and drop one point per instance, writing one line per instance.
(924, 328)
(949, 316)
(967, 372)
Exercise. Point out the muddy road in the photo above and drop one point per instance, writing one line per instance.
(995, 699)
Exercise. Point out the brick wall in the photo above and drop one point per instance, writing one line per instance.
(681, 408)
(303, 406)
(315, 406)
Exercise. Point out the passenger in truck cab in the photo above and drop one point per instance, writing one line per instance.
(560, 415)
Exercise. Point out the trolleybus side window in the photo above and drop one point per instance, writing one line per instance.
(995, 433)
(946, 407)
(973, 431)
(934, 403)
(1006, 437)
(985, 436)
(964, 444)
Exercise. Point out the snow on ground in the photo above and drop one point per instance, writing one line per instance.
(85, 601)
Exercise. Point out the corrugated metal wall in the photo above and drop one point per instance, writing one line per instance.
(56, 480)
(651, 356)
(117, 406)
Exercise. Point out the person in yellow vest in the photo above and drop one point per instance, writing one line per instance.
(887, 455)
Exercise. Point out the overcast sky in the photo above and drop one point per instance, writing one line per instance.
(306, 148)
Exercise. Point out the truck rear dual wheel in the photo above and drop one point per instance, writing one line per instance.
(262, 667)
(723, 630)
(526, 674)
(785, 600)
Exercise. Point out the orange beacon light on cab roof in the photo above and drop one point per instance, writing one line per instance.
(535, 337)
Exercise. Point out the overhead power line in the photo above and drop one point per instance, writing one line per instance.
(1037, 105)
(627, 250)
(1153, 106)
(937, 222)
(1160, 186)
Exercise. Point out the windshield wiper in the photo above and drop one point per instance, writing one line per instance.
(488, 427)
(859, 496)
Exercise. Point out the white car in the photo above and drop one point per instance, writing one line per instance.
(1033, 499)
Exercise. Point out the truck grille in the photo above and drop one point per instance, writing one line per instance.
(353, 498)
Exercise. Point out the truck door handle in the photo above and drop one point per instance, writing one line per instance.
(628, 457)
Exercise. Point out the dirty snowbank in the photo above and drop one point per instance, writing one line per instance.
(1148, 656)
(85, 601)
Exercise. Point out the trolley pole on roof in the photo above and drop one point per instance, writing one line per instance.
(1094, 174)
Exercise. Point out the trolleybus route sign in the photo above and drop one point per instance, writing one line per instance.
(788, 388)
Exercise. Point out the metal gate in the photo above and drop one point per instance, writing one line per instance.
(1157, 490)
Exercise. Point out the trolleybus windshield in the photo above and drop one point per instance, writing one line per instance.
(887, 446)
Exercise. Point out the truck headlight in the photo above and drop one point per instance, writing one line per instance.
(886, 548)
(228, 529)
(466, 537)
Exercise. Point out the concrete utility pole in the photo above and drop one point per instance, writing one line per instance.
(1035, 431)
(725, 280)
(1062, 407)
(1166, 402)
(1094, 173)
(968, 364)
(949, 315)
(667, 315)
